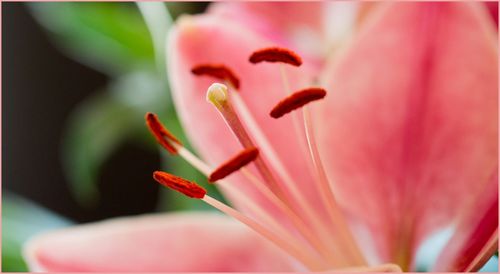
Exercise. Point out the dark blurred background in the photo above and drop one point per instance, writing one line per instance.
(41, 86)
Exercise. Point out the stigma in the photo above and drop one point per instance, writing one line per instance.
(217, 94)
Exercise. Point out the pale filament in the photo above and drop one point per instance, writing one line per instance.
(296, 220)
(201, 166)
(298, 127)
(288, 244)
(326, 192)
(323, 185)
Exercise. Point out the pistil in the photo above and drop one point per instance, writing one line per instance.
(217, 95)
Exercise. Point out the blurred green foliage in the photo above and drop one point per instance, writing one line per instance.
(104, 121)
(110, 37)
(115, 39)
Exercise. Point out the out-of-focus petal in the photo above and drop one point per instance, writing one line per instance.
(409, 130)
(313, 28)
(176, 242)
(285, 22)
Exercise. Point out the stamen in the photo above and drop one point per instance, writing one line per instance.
(238, 161)
(297, 100)
(179, 184)
(218, 71)
(276, 54)
(162, 135)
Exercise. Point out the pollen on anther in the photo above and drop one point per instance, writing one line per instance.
(218, 71)
(235, 163)
(276, 54)
(179, 184)
(297, 100)
(162, 135)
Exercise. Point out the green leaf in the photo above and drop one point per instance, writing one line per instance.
(21, 219)
(110, 37)
(101, 123)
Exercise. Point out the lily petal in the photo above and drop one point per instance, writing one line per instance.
(175, 242)
(409, 134)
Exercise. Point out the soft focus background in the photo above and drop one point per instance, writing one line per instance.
(77, 81)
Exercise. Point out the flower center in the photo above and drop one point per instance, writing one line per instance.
(309, 239)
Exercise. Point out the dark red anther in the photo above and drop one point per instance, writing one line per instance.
(275, 54)
(297, 100)
(179, 184)
(162, 135)
(217, 71)
(235, 163)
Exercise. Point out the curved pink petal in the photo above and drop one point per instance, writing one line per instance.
(175, 242)
(409, 131)
(210, 39)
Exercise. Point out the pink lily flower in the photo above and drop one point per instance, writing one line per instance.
(397, 162)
